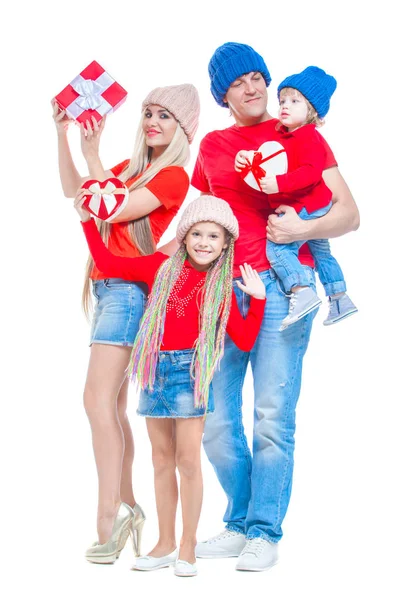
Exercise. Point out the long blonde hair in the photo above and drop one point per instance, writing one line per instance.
(177, 154)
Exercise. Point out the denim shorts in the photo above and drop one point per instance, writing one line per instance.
(173, 393)
(119, 308)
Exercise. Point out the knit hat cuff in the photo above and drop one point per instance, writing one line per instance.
(232, 68)
(182, 101)
(315, 85)
(207, 208)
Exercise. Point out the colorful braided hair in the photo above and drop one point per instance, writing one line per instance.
(215, 306)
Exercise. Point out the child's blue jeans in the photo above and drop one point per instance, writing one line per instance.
(284, 260)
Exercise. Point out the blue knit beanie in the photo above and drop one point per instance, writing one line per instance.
(230, 61)
(315, 85)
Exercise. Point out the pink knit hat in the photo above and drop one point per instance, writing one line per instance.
(207, 208)
(182, 101)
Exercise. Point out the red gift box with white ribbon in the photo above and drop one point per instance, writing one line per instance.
(105, 199)
(93, 93)
(269, 159)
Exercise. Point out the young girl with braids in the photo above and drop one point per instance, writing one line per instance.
(176, 352)
(158, 185)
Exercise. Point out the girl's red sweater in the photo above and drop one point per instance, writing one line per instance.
(181, 327)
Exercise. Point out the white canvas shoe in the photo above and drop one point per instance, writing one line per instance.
(185, 569)
(301, 303)
(228, 543)
(151, 563)
(340, 308)
(257, 555)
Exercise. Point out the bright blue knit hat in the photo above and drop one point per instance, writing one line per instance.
(230, 61)
(315, 85)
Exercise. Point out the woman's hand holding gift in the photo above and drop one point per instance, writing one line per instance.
(78, 205)
(90, 137)
(61, 120)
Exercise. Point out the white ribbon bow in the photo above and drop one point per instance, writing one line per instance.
(106, 193)
(89, 94)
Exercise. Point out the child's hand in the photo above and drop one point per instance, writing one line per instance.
(269, 185)
(82, 212)
(243, 159)
(253, 286)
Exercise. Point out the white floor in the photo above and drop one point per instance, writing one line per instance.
(340, 534)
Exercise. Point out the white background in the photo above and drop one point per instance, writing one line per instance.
(342, 528)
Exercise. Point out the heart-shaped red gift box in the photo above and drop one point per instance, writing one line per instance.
(105, 199)
(269, 159)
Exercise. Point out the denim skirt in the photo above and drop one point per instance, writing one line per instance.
(119, 308)
(173, 393)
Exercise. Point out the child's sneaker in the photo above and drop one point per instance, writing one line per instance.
(301, 303)
(339, 308)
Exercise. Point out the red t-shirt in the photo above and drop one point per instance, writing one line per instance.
(302, 186)
(181, 327)
(214, 174)
(170, 187)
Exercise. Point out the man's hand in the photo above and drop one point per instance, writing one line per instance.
(286, 228)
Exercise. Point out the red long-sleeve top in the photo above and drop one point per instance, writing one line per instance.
(181, 327)
(302, 186)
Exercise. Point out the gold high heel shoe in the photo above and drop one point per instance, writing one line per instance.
(137, 528)
(108, 553)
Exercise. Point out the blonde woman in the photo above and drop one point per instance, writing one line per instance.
(158, 185)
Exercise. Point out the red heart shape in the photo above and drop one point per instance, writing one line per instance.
(105, 199)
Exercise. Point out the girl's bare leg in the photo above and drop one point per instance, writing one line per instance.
(189, 433)
(105, 377)
(162, 438)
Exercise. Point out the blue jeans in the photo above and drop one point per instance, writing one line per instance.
(258, 484)
(173, 394)
(119, 308)
(284, 260)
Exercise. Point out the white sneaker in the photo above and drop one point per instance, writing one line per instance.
(228, 543)
(257, 555)
(185, 569)
(151, 563)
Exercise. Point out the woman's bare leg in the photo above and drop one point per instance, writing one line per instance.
(105, 377)
(162, 438)
(127, 494)
(189, 433)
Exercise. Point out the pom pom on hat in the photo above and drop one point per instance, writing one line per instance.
(182, 101)
(315, 85)
(230, 61)
(207, 208)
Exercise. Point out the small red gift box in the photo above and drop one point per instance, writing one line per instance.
(105, 199)
(93, 93)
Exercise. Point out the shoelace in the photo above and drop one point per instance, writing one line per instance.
(255, 546)
(292, 303)
(334, 305)
(226, 533)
